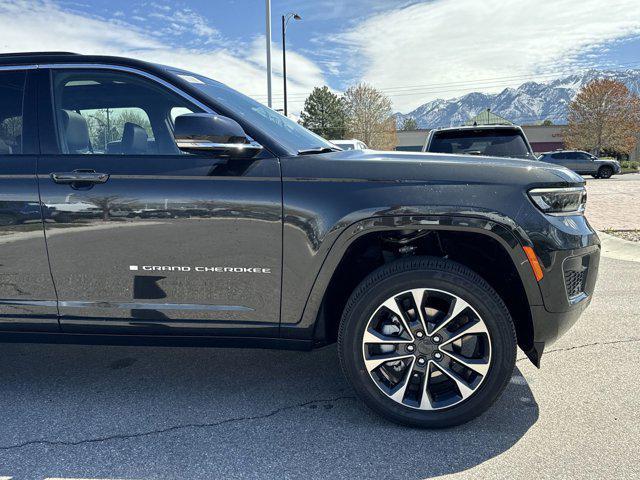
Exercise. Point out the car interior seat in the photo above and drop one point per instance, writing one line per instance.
(4, 148)
(134, 140)
(75, 133)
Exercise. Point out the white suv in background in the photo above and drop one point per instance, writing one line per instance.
(352, 144)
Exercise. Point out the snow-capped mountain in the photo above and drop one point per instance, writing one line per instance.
(530, 103)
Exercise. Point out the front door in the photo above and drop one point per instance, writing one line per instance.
(585, 164)
(27, 297)
(143, 238)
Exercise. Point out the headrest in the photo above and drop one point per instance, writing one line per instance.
(501, 148)
(76, 132)
(134, 139)
(445, 147)
(4, 148)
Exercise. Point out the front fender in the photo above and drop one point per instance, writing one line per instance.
(510, 238)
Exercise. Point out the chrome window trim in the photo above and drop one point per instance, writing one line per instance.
(135, 71)
(17, 67)
(105, 66)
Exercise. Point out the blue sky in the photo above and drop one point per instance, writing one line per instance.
(415, 51)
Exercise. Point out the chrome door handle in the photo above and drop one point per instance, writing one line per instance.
(66, 178)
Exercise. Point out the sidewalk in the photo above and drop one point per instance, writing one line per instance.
(614, 247)
(614, 203)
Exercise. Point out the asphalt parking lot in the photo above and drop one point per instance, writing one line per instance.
(96, 412)
(149, 413)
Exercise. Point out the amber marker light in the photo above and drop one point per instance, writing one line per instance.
(533, 261)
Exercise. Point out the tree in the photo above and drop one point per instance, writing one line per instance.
(605, 115)
(324, 113)
(409, 124)
(547, 122)
(370, 117)
(109, 203)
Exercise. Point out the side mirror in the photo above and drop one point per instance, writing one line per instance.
(208, 132)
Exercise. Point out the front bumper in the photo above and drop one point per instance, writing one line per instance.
(567, 289)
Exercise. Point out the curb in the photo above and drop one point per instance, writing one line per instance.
(618, 248)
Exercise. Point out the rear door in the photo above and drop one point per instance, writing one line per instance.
(149, 239)
(27, 297)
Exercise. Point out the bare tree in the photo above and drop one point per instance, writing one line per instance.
(109, 203)
(370, 117)
(605, 115)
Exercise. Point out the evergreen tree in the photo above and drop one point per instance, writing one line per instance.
(324, 114)
(409, 124)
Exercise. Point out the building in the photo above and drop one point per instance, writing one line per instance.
(543, 138)
(487, 117)
(412, 140)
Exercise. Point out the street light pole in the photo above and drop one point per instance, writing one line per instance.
(285, 21)
(268, 15)
(284, 64)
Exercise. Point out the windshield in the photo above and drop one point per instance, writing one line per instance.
(496, 143)
(286, 132)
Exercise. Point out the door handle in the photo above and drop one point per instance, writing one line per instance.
(79, 176)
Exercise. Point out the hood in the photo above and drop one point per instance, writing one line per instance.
(431, 168)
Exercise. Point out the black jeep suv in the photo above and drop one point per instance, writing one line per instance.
(174, 210)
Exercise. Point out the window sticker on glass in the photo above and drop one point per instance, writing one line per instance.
(190, 79)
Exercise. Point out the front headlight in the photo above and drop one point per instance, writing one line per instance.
(560, 201)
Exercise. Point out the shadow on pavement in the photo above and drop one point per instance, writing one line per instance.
(142, 413)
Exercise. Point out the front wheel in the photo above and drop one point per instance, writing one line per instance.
(426, 342)
(605, 172)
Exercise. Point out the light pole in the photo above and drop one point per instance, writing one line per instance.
(268, 16)
(285, 22)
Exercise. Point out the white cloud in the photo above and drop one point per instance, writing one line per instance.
(184, 20)
(447, 42)
(43, 25)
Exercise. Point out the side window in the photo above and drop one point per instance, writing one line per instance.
(108, 112)
(11, 100)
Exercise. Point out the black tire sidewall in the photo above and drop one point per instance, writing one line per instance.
(463, 283)
(608, 174)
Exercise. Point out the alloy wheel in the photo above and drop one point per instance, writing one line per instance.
(427, 349)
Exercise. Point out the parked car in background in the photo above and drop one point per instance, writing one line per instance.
(352, 144)
(487, 140)
(15, 212)
(583, 163)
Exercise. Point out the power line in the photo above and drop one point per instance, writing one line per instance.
(398, 91)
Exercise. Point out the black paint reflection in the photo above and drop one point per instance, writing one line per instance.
(157, 211)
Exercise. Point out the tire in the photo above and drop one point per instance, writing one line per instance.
(605, 172)
(438, 279)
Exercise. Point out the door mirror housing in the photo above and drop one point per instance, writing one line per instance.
(208, 132)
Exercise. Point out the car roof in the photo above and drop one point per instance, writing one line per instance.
(478, 127)
(562, 151)
(35, 58)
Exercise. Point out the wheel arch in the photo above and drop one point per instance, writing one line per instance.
(356, 253)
